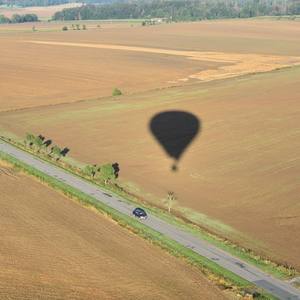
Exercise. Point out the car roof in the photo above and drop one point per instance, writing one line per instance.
(138, 209)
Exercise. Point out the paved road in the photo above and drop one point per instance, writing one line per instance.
(278, 288)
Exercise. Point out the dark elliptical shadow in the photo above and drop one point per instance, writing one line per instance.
(175, 130)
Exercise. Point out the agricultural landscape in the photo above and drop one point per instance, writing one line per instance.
(238, 179)
(91, 252)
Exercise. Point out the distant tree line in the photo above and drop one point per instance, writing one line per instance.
(19, 18)
(25, 3)
(181, 10)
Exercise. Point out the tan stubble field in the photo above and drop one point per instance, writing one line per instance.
(52, 248)
(239, 177)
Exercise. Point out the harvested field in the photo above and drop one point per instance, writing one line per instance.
(232, 36)
(42, 73)
(52, 248)
(241, 170)
(238, 178)
(238, 64)
(38, 75)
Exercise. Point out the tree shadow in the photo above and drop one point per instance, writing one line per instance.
(175, 130)
(41, 137)
(116, 168)
(65, 151)
(47, 143)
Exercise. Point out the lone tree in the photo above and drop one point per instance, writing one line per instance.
(107, 173)
(116, 92)
(171, 198)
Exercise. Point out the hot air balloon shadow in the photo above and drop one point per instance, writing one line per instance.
(175, 130)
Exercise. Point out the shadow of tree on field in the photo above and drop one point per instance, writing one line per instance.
(65, 151)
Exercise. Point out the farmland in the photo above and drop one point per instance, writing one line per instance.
(52, 248)
(43, 12)
(90, 69)
(239, 177)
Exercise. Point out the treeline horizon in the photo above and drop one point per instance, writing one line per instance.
(181, 10)
(28, 3)
(16, 18)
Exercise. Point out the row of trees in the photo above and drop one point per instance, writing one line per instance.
(19, 18)
(75, 27)
(39, 144)
(107, 172)
(180, 10)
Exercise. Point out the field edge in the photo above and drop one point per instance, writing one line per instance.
(221, 277)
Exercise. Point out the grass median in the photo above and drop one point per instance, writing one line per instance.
(222, 277)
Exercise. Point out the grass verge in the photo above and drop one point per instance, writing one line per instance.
(222, 277)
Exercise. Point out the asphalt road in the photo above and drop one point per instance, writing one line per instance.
(276, 287)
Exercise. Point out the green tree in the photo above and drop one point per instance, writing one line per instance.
(4, 19)
(16, 18)
(116, 92)
(56, 152)
(38, 143)
(107, 173)
(90, 170)
(30, 18)
(29, 139)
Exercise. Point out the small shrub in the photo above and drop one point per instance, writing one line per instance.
(83, 27)
(65, 28)
(116, 92)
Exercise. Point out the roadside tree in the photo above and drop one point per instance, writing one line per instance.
(170, 198)
(56, 152)
(107, 173)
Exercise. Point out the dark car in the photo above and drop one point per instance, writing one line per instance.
(139, 213)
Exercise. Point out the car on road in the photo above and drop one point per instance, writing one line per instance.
(139, 213)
